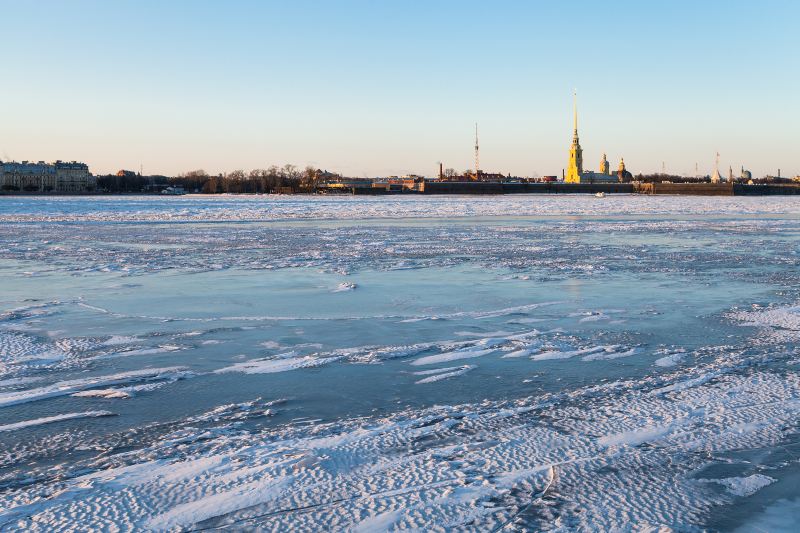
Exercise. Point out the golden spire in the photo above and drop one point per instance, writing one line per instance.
(575, 109)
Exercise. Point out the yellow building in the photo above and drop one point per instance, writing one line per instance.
(575, 172)
(575, 168)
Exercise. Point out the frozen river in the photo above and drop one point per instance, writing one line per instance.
(550, 363)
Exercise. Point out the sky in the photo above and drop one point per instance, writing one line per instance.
(375, 88)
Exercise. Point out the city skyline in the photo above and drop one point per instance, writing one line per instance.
(371, 90)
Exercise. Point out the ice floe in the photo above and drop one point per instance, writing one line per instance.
(52, 419)
(443, 373)
(116, 340)
(607, 354)
(164, 348)
(558, 354)
(64, 388)
(743, 486)
(102, 393)
(776, 324)
(455, 355)
(670, 357)
(277, 364)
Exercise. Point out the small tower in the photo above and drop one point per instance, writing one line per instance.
(622, 173)
(575, 168)
(605, 168)
(715, 177)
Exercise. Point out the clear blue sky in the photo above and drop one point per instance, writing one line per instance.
(377, 88)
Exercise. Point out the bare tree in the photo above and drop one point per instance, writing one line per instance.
(196, 174)
(309, 180)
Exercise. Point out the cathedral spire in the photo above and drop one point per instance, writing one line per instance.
(575, 110)
(575, 168)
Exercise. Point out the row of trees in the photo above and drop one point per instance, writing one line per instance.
(274, 179)
(271, 180)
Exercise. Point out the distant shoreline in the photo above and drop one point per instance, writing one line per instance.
(495, 189)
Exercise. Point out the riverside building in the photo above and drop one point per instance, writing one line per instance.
(60, 176)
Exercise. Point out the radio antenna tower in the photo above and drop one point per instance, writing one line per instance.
(477, 159)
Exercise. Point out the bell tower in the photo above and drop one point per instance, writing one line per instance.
(604, 166)
(575, 168)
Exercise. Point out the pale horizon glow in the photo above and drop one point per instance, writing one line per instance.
(373, 89)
